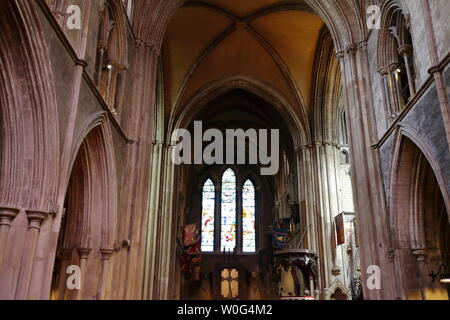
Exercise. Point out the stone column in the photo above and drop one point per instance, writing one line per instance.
(396, 265)
(151, 247)
(368, 191)
(420, 255)
(104, 286)
(166, 237)
(83, 255)
(119, 87)
(304, 171)
(406, 51)
(399, 103)
(35, 220)
(100, 58)
(323, 229)
(388, 94)
(145, 199)
(111, 76)
(7, 215)
(66, 256)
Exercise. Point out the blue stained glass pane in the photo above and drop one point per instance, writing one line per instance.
(248, 218)
(228, 205)
(208, 202)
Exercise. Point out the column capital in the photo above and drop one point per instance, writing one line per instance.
(301, 147)
(405, 49)
(107, 253)
(351, 49)
(420, 254)
(384, 71)
(394, 66)
(36, 218)
(148, 45)
(363, 45)
(139, 42)
(340, 54)
(120, 67)
(102, 45)
(7, 215)
(318, 143)
(83, 253)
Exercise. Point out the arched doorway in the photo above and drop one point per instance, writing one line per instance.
(420, 225)
(86, 243)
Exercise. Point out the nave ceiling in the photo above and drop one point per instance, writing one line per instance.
(273, 42)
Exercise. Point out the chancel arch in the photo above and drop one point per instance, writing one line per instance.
(232, 108)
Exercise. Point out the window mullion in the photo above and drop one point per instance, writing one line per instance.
(239, 209)
(218, 219)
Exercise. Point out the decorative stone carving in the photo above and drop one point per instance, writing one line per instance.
(337, 285)
(336, 271)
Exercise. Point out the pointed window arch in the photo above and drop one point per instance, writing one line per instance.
(396, 59)
(228, 211)
(248, 217)
(208, 213)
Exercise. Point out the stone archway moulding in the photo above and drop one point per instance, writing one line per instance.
(405, 131)
(405, 213)
(182, 118)
(104, 155)
(34, 149)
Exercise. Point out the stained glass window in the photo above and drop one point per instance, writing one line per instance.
(248, 218)
(208, 203)
(228, 222)
(228, 219)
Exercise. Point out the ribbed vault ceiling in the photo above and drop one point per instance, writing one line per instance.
(267, 40)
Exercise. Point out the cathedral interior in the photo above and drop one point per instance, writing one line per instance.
(93, 207)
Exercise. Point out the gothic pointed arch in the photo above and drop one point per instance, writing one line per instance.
(396, 59)
(89, 226)
(181, 118)
(28, 109)
(112, 53)
(327, 90)
(337, 291)
(419, 219)
(95, 155)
